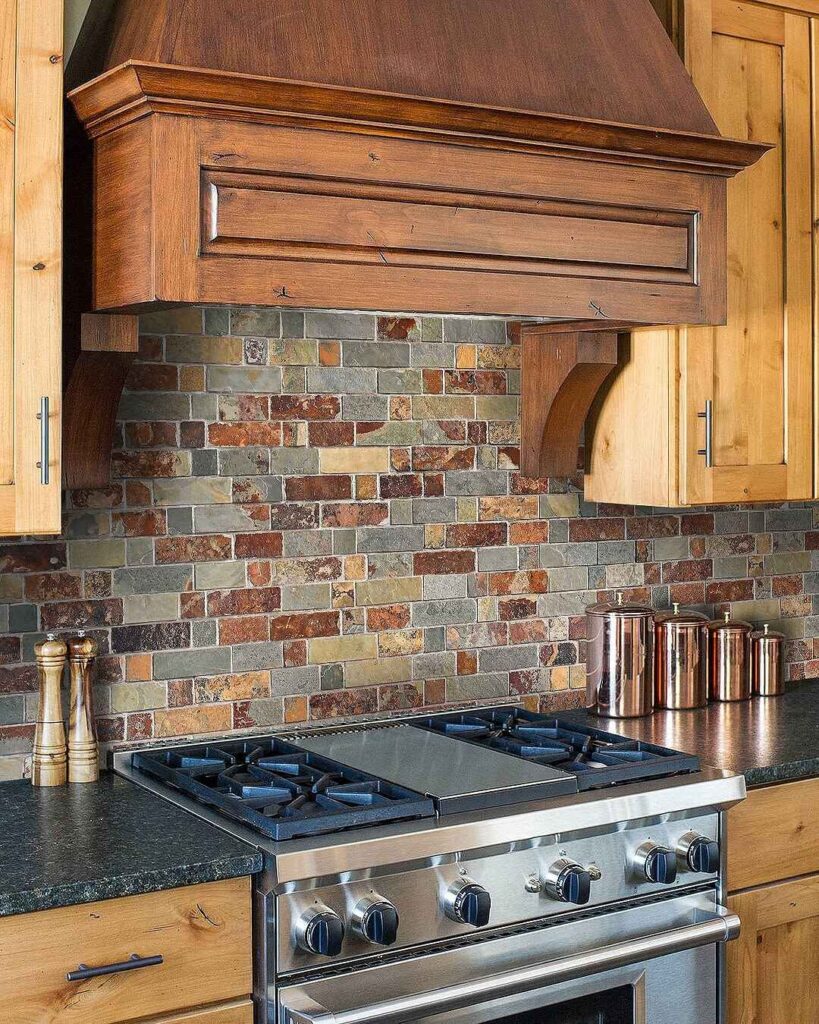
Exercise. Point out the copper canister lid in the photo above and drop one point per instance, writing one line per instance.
(620, 607)
(766, 635)
(687, 617)
(727, 624)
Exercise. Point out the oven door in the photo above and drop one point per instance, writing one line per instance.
(646, 964)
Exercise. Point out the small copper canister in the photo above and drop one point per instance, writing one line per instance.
(767, 648)
(729, 676)
(680, 669)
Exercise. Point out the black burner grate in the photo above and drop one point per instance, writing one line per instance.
(594, 757)
(280, 789)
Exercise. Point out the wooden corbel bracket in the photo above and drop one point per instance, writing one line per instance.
(108, 346)
(564, 365)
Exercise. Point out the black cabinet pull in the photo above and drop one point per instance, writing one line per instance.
(133, 963)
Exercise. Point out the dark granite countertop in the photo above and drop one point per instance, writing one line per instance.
(76, 844)
(767, 739)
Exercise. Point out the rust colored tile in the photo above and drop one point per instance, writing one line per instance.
(434, 691)
(258, 545)
(318, 488)
(596, 529)
(294, 653)
(244, 602)
(304, 407)
(687, 571)
(442, 457)
(529, 533)
(139, 726)
(528, 632)
(148, 523)
(652, 526)
(150, 435)
(433, 381)
(467, 663)
(396, 328)
(329, 353)
(180, 693)
(391, 616)
(355, 514)
(152, 377)
(240, 435)
(341, 703)
(332, 434)
(535, 581)
(259, 574)
(433, 485)
(476, 535)
(296, 710)
(401, 485)
(53, 586)
(243, 630)
(400, 460)
(192, 605)
(103, 497)
(138, 668)
(303, 625)
(366, 487)
(517, 608)
(32, 557)
(475, 382)
(437, 563)
(729, 590)
(209, 548)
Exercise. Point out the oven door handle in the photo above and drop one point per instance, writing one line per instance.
(719, 926)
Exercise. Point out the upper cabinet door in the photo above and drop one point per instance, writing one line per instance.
(752, 65)
(31, 87)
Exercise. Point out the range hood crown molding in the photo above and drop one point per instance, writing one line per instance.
(590, 192)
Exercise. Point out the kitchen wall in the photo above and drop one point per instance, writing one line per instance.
(314, 515)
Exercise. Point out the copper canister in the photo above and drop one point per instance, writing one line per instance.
(680, 671)
(729, 676)
(619, 659)
(767, 648)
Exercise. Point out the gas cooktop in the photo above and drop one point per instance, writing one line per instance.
(595, 758)
(337, 779)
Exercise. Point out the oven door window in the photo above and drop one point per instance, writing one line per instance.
(612, 1006)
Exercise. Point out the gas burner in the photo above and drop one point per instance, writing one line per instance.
(282, 791)
(594, 757)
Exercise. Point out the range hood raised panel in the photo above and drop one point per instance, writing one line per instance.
(444, 156)
(233, 193)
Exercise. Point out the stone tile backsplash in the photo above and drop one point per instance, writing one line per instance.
(315, 515)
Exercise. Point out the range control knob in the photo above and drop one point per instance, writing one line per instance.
(375, 920)
(568, 881)
(320, 930)
(656, 863)
(699, 853)
(467, 903)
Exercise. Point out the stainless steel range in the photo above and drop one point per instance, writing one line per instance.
(490, 866)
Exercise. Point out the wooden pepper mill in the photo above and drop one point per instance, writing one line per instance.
(49, 762)
(83, 753)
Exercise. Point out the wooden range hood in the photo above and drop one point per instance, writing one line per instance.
(548, 161)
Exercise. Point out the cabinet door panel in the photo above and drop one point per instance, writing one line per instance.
(773, 967)
(757, 370)
(31, 34)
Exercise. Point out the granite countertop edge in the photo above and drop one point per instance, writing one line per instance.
(51, 897)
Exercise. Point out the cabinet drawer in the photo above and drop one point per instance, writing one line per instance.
(240, 1012)
(202, 933)
(774, 834)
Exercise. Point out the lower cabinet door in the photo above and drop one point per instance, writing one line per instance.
(230, 1013)
(145, 958)
(773, 967)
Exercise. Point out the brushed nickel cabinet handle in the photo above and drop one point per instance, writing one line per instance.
(133, 963)
(708, 450)
(42, 465)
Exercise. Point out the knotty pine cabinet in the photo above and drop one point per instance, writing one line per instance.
(772, 969)
(31, 112)
(708, 415)
(197, 937)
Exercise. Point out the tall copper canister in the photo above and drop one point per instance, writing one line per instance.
(620, 659)
(729, 675)
(767, 671)
(680, 661)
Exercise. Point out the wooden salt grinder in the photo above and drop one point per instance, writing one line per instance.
(83, 753)
(48, 767)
